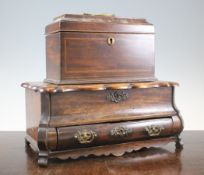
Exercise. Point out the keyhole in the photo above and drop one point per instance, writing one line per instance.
(111, 41)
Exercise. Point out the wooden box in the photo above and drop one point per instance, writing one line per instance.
(69, 121)
(82, 49)
(100, 95)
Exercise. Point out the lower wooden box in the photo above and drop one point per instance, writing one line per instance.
(70, 121)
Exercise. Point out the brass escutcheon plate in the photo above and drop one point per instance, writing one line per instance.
(154, 130)
(117, 95)
(85, 136)
(120, 131)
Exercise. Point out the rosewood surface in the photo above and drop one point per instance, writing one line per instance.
(108, 134)
(52, 88)
(16, 158)
(101, 96)
(103, 119)
(98, 23)
(83, 49)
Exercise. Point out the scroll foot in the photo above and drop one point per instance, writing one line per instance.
(179, 143)
(27, 143)
(43, 159)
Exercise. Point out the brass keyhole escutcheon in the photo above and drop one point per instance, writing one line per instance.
(111, 41)
(117, 96)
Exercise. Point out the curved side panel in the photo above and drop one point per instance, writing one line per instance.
(177, 127)
(51, 138)
(176, 109)
(43, 125)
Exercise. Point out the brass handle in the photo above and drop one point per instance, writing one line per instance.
(120, 131)
(117, 95)
(85, 136)
(154, 130)
(111, 40)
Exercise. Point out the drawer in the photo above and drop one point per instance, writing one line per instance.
(113, 133)
(111, 105)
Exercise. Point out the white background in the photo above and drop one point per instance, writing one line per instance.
(179, 48)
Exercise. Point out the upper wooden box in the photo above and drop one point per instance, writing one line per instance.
(87, 48)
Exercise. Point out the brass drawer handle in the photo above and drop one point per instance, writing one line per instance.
(120, 131)
(111, 40)
(85, 136)
(154, 130)
(117, 95)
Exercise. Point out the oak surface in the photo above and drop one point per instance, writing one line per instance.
(17, 159)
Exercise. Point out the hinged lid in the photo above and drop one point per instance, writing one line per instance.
(98, 23)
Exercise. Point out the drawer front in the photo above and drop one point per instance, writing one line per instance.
(87, 107)
(112, 133)
(100, 56)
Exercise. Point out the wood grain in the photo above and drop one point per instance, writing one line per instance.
(86, 107)
(52, 88)
(100, 95)
(137, 131)
(94, 23)
(78, 52)
(55, 115)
